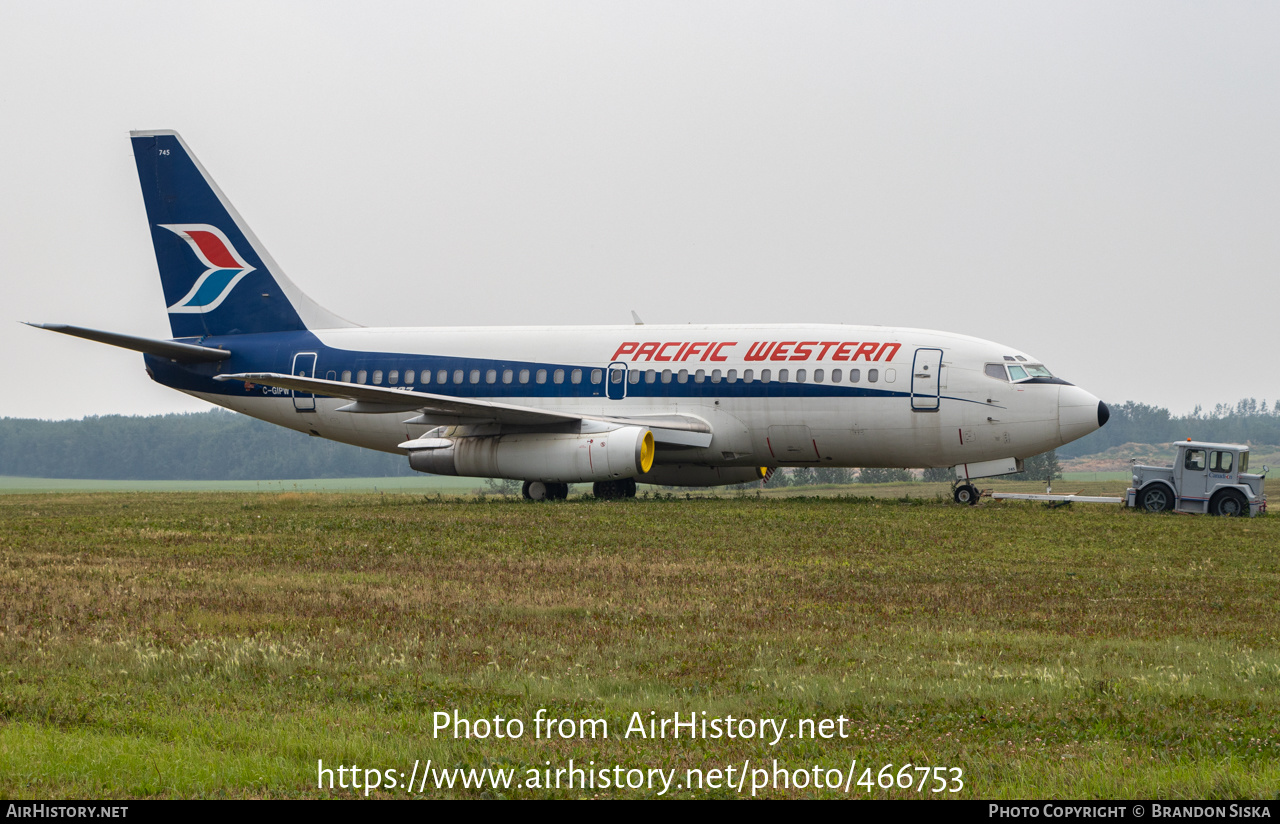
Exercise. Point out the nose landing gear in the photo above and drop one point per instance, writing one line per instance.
(966, 494)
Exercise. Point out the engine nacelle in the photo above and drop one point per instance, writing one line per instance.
(626, 452)
(695, 475)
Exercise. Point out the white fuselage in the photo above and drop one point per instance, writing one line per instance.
(772, 395)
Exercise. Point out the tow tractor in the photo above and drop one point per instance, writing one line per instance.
(1205, 478)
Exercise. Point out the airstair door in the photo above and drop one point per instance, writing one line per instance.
(926, 373)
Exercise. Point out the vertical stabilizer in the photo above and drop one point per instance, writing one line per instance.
(218, 278)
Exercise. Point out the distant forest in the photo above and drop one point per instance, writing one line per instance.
(213, 446)
(220, 445)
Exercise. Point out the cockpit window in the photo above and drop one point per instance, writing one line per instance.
(996, 370)
(1020, 372)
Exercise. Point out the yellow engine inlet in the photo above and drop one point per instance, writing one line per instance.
(647, 450)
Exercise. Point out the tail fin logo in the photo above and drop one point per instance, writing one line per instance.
(226, 266)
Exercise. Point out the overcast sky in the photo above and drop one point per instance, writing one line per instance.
(1095, 183)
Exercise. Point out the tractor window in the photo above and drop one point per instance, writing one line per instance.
(1194, 460)
(1221, 461)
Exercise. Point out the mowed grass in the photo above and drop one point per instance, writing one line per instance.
(219, 645)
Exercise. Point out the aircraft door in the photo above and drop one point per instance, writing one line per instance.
(615, 381)
(926, 372)
(304, 366)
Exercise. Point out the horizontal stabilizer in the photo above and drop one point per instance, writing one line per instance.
(173, 350)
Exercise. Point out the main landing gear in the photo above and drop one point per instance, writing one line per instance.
(609, 490)
(540, 491)
(966, 494)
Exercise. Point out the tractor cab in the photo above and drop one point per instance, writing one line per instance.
(1205, 478)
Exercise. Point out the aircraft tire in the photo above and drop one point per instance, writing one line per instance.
(1229, 503)
(557, 492)
(1156, 498)
(627, 488)
(966, 494)
(536, 491)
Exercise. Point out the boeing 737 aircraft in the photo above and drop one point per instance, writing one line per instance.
(611, 405)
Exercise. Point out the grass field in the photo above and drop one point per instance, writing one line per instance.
(221, 644)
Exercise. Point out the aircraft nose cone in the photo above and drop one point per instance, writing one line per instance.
(1079, 413)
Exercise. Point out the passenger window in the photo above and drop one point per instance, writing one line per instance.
(1194, 460)
(457, 375)
(650, 376)
(540, 376)
(408, 376)
(362, 376)
(783, 375)
(855, 375)
(508, 375)
(615, 376)
(732, 377)
(715, 375)
(764, 375)
(475, 375)
(802, 375)
(749, 375)
(377, 377)
(1220, 462)
(817, 376)
(835, 375)
(666, 376)
(995, 370)
(346, 376)
(524, 375)
(890, 375)
(393, 377)
(491, 376)
(683, 376)
(699, 376)
(442, 376)
(873, 375)
(558, 376)
(596, 376)
(575, 376)
(633, 376)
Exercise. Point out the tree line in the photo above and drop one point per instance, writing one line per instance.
(221, 445)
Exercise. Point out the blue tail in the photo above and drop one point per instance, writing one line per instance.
(218, 278)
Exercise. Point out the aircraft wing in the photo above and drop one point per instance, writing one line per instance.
(681, 430)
